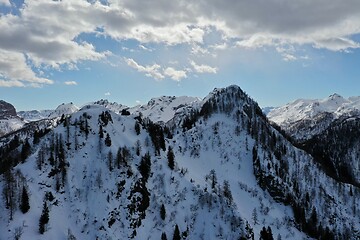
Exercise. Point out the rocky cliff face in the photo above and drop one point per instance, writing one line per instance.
(6, 110)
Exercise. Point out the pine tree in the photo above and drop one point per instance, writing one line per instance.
(24, 205)
(176, 233)
(44, 218)
(110, 161)
(108, 140)
(255, 217)
(171, 158)
(163, 236)
(227, 192)
(162, 212)
(137, 128)
(25, 150)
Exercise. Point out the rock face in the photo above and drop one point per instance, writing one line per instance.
(6, 110)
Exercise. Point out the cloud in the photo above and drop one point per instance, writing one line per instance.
(70, 83)
(14, 71)
(156, 71)
(176, 75)
(203, 68)
(107, 94)
(150, 71)
(50, 34)
(5, 3)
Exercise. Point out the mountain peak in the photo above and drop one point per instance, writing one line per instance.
(7, 110)
(64, 108)
(334, 96)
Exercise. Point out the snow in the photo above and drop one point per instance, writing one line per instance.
(308, 110)
(63, 109)
(10, 125)
(164, 108)
(34, 115)
(91, 198)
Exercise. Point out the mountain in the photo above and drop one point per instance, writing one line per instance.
(9, 121)
(34, 115)
(305, 118)
(63, 109)
(164, 108)
(214, 169)
(329, 130)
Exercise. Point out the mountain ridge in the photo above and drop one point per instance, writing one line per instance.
(233, 175)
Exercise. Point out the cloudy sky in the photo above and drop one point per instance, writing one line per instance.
(131, 50)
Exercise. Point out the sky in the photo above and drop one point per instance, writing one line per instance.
(129, 51)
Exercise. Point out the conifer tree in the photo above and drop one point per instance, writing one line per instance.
(162, 212)
(44, 218)
(176, 233)
(171, 158)
(163, 236)
(108, 140)
(24, 205)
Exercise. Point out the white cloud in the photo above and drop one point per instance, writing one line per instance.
(176, 75)
(14, 71)
(5, 3)
(70, 83)
(107, 94)
(150, 71)
(49, 33)
(203, 68)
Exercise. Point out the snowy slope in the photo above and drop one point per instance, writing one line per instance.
(234, 174)
(63, 109)
(34, 115)
(112, 106)
(304, 118)
(10, 125)
(164, 108)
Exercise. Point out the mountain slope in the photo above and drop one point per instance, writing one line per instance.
(305, 118)
(111, 176)
(9, 121)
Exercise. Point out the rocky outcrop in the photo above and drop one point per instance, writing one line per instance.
(7, 110)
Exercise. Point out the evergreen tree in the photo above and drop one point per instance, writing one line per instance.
(25, 150)
(162, 212)
(176, 233)
(266, 234)
(101, 132)
(213, 179)
(163, 236)
(137, 128)
(145, 166)
(227, 192)
(108, 140)
(171, 158)
(44, 218)
(24, 205)
(110, 161)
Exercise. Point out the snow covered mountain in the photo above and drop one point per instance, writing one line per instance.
(63, 109)
(164, 108)
(211, 169)
(305, 118)
(34, 115)
(8, 119)
(327, 129)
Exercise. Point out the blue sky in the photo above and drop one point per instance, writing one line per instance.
(130, 51)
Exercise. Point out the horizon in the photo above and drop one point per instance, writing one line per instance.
(129, 52)
(81, 105)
